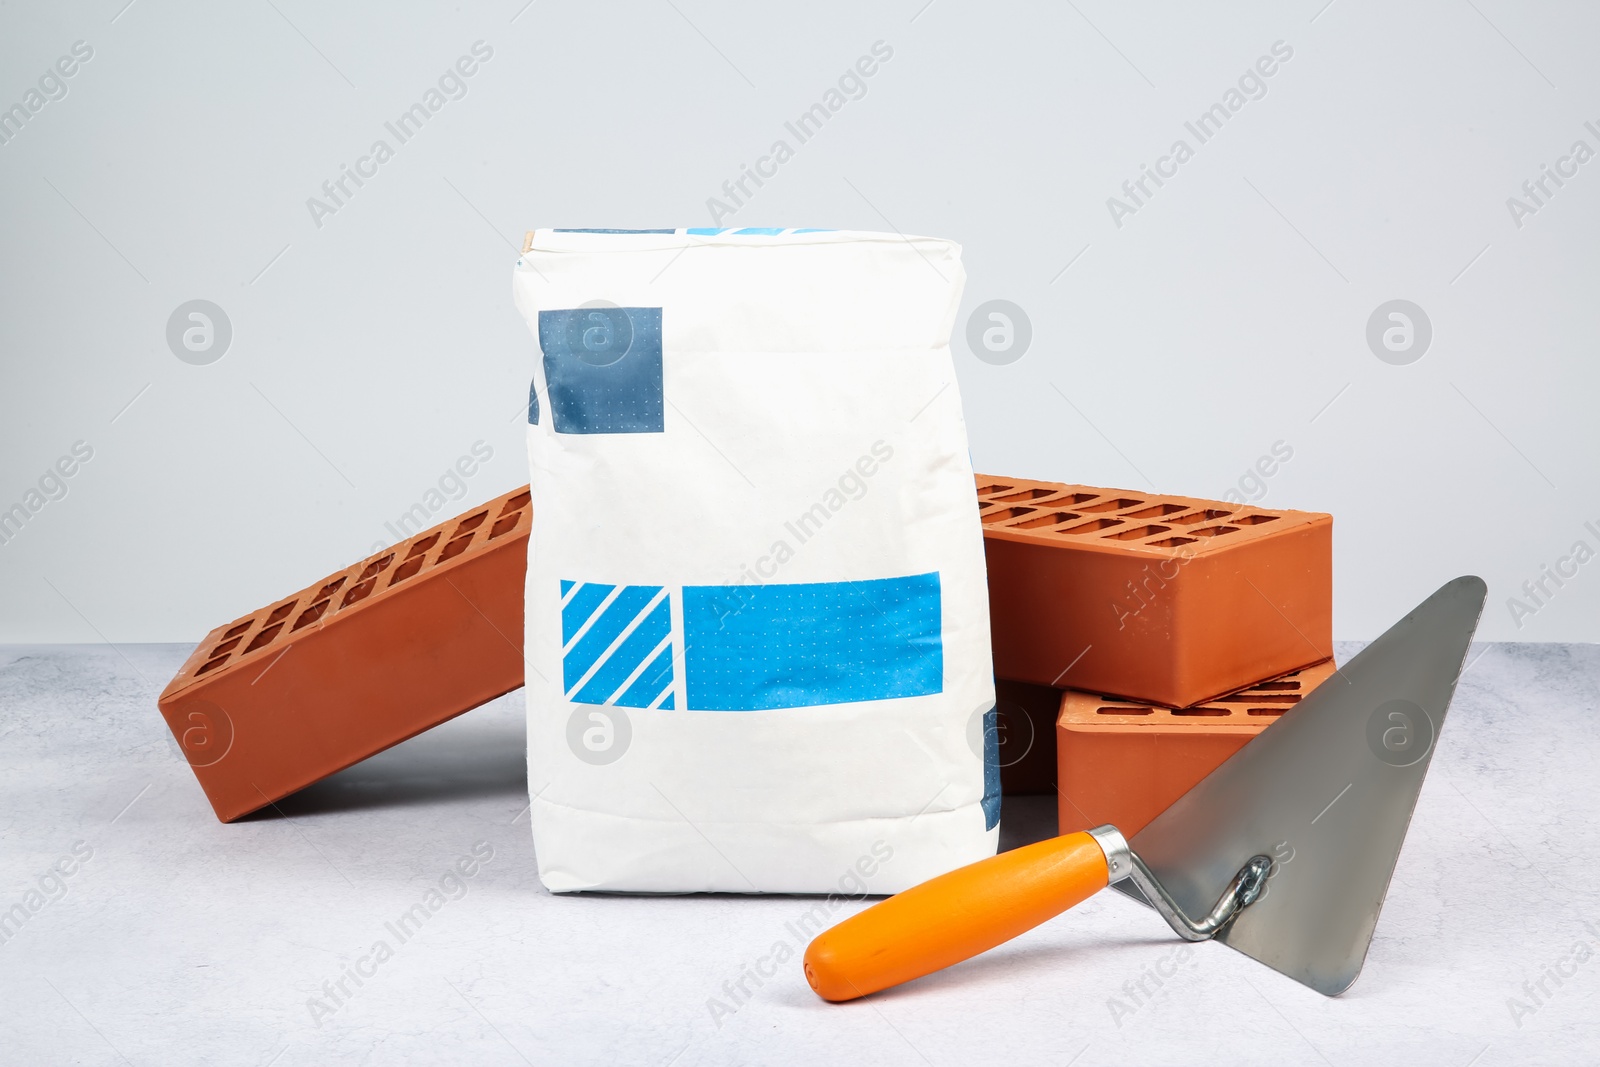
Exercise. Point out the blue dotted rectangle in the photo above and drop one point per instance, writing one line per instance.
(603, 369)
(794, 646)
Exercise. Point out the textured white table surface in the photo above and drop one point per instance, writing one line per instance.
(181, 940)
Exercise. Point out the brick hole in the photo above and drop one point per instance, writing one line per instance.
(1125, 711)
(373, 569)
(328, 590)
(1262, 698)
(406, 570)
(471, 522)
(1073, 499)
(1138, 532)
(1214, 531)
(235, 631)
(1172, 542)
(280, 613)
(986, 490)
(226, 646)
(1156, 512)
(1094, 526)
(1207, 712)
(1201, 516)
(516, 503)
(1280, 685)
(211, 665)
(422, 546)
(454, 548)
(263, 638)
(310, 615)
(1054, 518)
(359, 592)
(1266, 711)
(1118, 504)
(1255, 520)
(504, 525)
(1002, 514)
(1027, 494)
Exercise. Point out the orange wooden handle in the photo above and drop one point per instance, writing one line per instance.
(954, 916)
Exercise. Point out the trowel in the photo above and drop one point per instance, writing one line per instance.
(1284, 852)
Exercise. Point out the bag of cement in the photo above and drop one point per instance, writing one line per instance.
(757, 625)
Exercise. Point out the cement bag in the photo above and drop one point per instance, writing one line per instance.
(757, 622)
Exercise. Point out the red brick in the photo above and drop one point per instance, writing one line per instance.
(356, 662)
(1124, 763)
(1167, 599)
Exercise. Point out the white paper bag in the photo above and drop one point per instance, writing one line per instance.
(757, 622)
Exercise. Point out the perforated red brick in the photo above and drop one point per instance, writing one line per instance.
(1124, 763)
(357, 662)
(1168, 599)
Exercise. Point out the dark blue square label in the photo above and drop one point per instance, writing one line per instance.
(602, 368)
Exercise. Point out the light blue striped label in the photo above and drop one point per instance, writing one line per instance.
(616, 644)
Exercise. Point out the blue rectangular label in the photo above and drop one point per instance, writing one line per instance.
(754, 648)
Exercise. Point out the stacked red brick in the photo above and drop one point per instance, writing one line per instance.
(1177, 604)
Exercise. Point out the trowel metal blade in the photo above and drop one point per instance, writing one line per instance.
(1327, 791)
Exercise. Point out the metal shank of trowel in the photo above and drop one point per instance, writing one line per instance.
(1122, 862)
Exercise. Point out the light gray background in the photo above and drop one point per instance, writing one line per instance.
(1228, 314)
